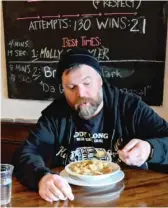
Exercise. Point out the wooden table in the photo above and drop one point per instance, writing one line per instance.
(139, 188)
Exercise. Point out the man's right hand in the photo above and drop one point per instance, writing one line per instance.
(53, 187)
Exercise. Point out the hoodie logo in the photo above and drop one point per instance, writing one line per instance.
(95, 137)
(89, 153)
(62, 152)
(86, 153)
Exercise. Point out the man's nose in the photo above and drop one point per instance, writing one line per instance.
(81, 92)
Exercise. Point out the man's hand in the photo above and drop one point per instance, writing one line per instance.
(136, 152)
(53, 187)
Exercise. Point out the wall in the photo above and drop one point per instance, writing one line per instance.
(16, 109)
(29, 111)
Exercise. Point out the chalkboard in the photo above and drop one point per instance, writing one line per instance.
(127, 37)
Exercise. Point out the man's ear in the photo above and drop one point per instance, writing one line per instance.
(100, 80)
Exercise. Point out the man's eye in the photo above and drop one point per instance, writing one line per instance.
(87, 83)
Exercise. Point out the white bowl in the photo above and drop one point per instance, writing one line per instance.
(115, 167)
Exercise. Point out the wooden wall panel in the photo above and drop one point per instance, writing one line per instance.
(12, 136)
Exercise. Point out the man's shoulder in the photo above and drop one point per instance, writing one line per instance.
(129, 100)
(129, 96)
(116, 93)
(58, 107)
(119, 97)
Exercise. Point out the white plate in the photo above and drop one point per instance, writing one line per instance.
(104, 182)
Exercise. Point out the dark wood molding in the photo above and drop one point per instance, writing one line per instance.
(12, 136)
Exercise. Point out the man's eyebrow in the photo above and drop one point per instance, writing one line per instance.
(86, 78)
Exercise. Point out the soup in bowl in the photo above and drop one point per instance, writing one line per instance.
(92, 169)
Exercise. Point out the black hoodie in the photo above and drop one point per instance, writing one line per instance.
(126, 116)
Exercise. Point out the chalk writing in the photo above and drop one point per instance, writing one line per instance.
(101, 53)
(122, 23)
(67, 42)
(61, 90)
(9, 52)
(82, 24)
(22, 68)
(116, 4)
(52, 24)
(109, 73)
(101, 61)
(48, 72)
(82, 41)
(27, 18)
(17, 53)
(36, 73)
(12, 77)
(120, 34)
(142, 92)
(47, 53)
(24, 78)
(93, 41)
(47, 87)
(18, 44)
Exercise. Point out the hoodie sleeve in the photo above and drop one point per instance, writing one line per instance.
(154, 129)
(29, 160)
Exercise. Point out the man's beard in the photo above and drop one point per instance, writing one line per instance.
(88, 111)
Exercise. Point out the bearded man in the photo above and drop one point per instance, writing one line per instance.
(91, 120)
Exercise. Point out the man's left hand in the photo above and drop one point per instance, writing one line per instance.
(136, 152)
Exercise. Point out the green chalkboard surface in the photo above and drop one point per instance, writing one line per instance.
(127, 37)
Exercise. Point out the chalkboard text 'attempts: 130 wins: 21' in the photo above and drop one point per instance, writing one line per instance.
(120, 23)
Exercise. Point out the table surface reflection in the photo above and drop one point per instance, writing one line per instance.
(139, 188)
